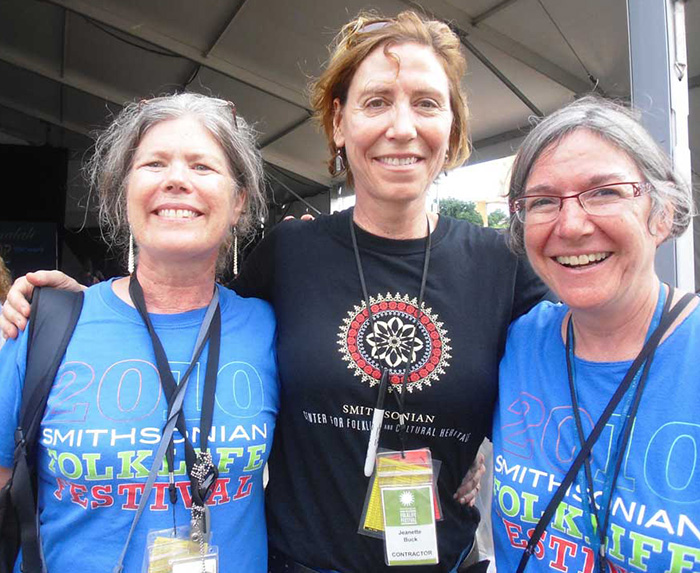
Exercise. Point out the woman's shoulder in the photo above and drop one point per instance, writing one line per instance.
(475, 235)
(100, 297)
(688, 320)
(290, 237)
(541, 318)
(231, 301)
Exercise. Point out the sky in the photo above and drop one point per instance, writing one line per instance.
(484, 181)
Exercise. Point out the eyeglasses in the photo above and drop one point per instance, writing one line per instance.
(365, 26)
(602, 201)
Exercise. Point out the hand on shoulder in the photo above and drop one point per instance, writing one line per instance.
(16, 309)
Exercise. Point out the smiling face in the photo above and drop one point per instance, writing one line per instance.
(395, 124)
(181, 195)
(592, 262)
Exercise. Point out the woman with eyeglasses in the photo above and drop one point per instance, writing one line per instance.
(163, 364)
(391, 320)
(596, 435)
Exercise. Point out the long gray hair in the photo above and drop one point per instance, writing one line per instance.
(620, 127)
(108, 169)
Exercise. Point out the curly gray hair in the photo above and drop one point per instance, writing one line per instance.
(620, 127)
(108, 169)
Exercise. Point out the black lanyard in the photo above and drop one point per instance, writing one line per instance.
(210, 330)
(642, 359)
(602, 514)
(401, 398)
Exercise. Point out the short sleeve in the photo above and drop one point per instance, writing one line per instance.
(529, 289)
(257, 273)
(13, 359)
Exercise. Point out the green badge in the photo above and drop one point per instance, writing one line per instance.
(409, 522)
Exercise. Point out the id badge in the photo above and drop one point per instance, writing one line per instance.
(415, 461)
(172, 551)
(410, 537)
(208, 563)
(401, 507)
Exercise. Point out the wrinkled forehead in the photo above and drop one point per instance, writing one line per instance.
(579, 159)
(386, 61)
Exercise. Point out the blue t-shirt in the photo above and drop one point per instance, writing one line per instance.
(655, 511)
(104, 419)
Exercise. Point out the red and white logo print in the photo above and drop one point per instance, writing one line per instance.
(398, 338)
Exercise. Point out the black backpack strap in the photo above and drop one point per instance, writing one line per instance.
(53, 318)
(648, 350)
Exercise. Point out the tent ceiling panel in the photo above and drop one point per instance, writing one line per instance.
(37, 128)
(91, 112)
(265, 31)
(30, 90)
(269, 114)
(496, 109)
(192, 23)
(600, 42)
(139, 73)
(18, 127)
(476, 8)
(32, 28)
(303, 151)
(177, 46)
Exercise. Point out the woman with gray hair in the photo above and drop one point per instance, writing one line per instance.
(163, 363)
(595, 432)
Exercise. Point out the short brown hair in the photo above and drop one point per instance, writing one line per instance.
(357, 39)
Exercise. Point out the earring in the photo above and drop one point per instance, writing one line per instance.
(130, 261)
(235, 252)
(338, 163)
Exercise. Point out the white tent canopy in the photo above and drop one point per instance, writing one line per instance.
(64, 63)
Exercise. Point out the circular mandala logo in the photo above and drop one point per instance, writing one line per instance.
(398, 339)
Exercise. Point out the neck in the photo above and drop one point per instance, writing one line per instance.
(394, 221)
(614, 336)
(169, 288)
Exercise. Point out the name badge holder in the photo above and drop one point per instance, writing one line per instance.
(401, 507)
(184, 549)
(174, 551)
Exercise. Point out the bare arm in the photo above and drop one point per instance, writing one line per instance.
(5, 475)
(15, 311)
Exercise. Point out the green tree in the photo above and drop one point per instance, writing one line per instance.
(498, 219)
(460, 210)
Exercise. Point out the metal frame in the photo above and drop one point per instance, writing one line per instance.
(660, 91)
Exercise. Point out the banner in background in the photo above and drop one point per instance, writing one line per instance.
(27, 246)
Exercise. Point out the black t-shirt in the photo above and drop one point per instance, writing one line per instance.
(329, 365)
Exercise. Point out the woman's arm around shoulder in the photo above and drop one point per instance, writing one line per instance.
(16, 309)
